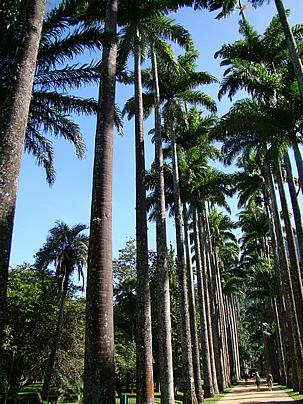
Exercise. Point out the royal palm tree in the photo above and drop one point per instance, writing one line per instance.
(227, 6)
(252, 136)
(14, 114)
(49, 110)
(99, 372)
(66, 248)
(151, 31)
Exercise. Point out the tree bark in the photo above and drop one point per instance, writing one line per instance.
(206, 361)
(13, 122)
(183, 294)
(99, 371)
(216, 307)
(295, 270)
(295, 205)
(286, 289)
(292, 46)
(165, 345)
(299, 164)
(207, 287)
(192, 311)
(145, 382)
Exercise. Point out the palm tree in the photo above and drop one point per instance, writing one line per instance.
(228, 6)
(66, 247)
(151, 30)
(261, 56)
(14, 116)
(249, 136)
(49, 110)
(99, 372)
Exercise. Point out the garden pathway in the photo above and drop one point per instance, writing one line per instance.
(247, 393)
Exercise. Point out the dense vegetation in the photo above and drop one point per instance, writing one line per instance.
(188, 321)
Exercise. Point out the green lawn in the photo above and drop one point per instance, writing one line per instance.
(132, 399)
(293, 394)
(28, 395)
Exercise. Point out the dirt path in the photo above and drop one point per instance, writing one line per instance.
(247, 393)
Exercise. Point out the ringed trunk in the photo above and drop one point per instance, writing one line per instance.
(99, 369)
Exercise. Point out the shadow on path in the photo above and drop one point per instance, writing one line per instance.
(247, 393)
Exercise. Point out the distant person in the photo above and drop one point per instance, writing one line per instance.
(258, 381)
(269, 381)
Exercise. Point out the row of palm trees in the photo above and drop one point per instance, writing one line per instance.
(193, 187)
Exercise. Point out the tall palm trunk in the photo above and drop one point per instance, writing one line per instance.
(292, 46)
(183, 294)
(99, 372)
(205, 350)
(295, 205)
(55, 345)
(192, 310)
(281, 356)
(299, 164)
(216, 307)
(208, 304)
(165, 345)
(279, 314)
(13, 122)
(235, 317)
(145, 383)
(287, 290)
(295, 270)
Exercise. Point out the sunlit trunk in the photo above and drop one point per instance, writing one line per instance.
(145, 383)
(13, 123)
(99, 369)
(165, 345)
(192, 310)
(286, 288)
(205, 349)
(183, 294)
(208, 306)
(295, 205)
(295, 270)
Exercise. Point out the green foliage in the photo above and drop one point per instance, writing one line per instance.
(32, 316)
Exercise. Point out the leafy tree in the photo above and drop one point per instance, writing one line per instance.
(32, 317)
(66, 248)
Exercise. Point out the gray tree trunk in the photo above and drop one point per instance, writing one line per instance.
(99, 369)
(184, 309)
(287, 290)
(216, 309)
(192, 311)
(207, 287)
(13, 123)
(295, 205)
(145, 382)
(295, 271)
(299, 164)
(205, 349)
(165, 345)
(280, 314)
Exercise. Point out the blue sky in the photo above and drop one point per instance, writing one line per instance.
(39, 206)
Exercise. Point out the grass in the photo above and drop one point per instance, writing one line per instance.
(28, 395)
(293, 394)
(212, 400)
